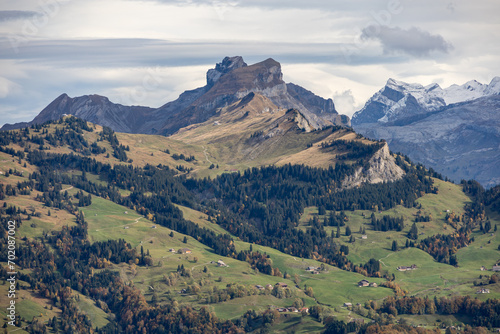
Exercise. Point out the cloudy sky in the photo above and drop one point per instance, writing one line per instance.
(146, 52)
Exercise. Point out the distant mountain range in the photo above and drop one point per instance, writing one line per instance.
(455, 130)
(230, 81)
(398, 100)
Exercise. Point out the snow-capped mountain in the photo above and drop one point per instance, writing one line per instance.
(398, 100)
(455, 130)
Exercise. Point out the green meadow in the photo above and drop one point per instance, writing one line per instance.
(332, 287)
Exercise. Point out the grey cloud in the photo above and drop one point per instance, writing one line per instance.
(11, 15)
(273, 4)
(157, 52)
(414, 41)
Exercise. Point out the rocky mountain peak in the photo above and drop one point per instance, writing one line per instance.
(382, 168)
(493, 87)
(399, 100)
(228, 82)
(227, 65)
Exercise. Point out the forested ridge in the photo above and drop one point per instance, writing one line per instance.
(260, 205)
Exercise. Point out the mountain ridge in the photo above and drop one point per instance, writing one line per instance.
(398, 99)
(230, 80)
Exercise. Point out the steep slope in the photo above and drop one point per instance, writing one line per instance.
(254, 132)
(382, 168)
(233, 81)
(228, 82)
(317, 105)
(461, 141)
(93, 108)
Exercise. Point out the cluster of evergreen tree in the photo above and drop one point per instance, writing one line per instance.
(263, 205)
(486, 314)
(492, 198)
(67, 136)
(334, 219)
(387, 223)
(181, 156)
(96, 149)
(443, 247)
(257, 260)
(413, 232)
(353, 150)
(475, 211)
(420, 219)
(119, 151)
(82, 199)
(165, 188)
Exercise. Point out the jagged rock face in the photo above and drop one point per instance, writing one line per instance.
(264, 76)
(383, 168)
(237, 80)
(302, 122)
(227, 65)
(398, 100)
(230, 81)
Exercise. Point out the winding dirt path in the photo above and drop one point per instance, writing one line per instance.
(206, 154)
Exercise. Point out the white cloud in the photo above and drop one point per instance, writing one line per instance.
(345, 103)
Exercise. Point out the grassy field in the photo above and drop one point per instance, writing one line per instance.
(378, 244)
(87, 306)
(29, 305)
(431, 278)
(332, 287)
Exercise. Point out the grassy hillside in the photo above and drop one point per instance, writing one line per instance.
(332, 287)
(162, 282)
(378, 244)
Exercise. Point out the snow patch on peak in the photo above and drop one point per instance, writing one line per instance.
(401, 85)
(493, 87)
(398, 99)
(432, 86)
(470, 90)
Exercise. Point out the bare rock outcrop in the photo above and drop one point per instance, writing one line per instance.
(382, 168)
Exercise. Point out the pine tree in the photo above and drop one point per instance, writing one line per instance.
(394, 246)
(413, 234)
